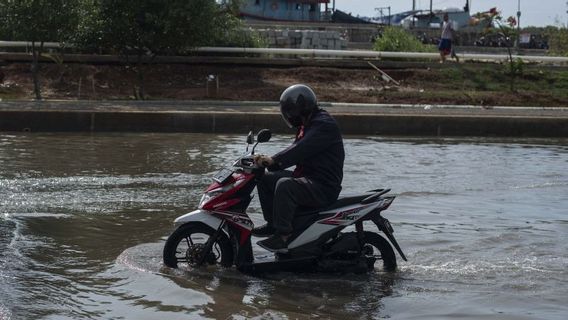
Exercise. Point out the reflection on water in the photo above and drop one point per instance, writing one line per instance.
(229, 293)
(83, 219)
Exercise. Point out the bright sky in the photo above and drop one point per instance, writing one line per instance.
(533, 13)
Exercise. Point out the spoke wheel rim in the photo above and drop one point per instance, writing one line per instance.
(189, 250)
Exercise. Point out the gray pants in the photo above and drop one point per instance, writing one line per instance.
(280, 195)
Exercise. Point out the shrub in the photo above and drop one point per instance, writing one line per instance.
(558, 41)
(398, 40)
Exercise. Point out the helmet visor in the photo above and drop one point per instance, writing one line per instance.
(291, 120)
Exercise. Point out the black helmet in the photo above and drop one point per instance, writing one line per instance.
(297, 101)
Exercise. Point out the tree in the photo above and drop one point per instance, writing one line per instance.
(38, 21)
(145, 28)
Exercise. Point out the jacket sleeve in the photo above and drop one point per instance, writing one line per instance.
(318, 138)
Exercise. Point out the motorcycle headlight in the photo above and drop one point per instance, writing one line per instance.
(208, 196)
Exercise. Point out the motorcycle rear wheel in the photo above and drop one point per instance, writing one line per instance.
(376, 246)
(184, 244)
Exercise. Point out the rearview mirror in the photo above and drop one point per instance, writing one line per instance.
(263, 135)
(250, 138)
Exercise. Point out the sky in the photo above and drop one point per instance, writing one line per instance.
(533, 13)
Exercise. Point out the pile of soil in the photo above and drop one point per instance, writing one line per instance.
(247, 83)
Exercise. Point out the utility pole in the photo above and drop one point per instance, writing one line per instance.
(431, 12)
(413, 12)
(519, 25)
(381, 13)
(519, 15)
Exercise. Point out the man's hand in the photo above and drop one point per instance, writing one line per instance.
(263, 160)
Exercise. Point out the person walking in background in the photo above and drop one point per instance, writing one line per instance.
(446, 45)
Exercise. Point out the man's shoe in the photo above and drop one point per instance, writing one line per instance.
(275, 244)
(263, 231)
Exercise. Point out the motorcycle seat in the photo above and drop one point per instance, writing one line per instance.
(306, 216)
(347, 201)
(342, 201)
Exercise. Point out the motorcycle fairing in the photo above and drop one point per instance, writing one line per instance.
(344, 217)
(221, 195)
(240, 221)
(214, 219)
(341, 217)
(198, 215)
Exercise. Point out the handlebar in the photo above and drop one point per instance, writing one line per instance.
(246, 162)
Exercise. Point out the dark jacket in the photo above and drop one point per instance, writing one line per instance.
(317, 153)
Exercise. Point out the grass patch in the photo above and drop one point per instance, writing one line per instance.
(11, 93)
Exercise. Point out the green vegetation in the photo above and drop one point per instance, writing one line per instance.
(489, 85)
(492, 78)
(138, 30)
(506, 30)
(558, 40)
(38, 21)
(556, 37)
(145, 28)
(397, 39)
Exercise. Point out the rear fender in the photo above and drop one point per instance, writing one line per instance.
(198, 216)
(385, 226)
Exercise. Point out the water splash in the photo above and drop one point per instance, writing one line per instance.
(5, 314)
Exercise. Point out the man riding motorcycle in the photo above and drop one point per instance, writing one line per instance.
(318, 154)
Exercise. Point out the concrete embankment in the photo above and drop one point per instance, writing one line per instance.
(239, 117)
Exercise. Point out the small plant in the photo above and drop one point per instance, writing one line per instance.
(517, 66)
(495, 23)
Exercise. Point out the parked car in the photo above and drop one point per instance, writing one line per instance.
(533, 41)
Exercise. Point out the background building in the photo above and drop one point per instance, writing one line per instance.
(286, 10)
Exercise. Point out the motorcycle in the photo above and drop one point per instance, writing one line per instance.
(219, 231)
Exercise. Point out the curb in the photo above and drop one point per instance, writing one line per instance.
(242, 116)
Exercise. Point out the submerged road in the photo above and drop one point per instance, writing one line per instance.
(84, 218)
(238, 117)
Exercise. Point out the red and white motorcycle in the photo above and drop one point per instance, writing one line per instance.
(219, 231)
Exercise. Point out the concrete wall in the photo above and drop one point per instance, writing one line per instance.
(353, 33)
(242, 122)
(303, 39)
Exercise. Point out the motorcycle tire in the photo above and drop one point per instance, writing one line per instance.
(385, 249)
(222, 251)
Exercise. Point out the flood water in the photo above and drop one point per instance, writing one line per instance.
(83, 219)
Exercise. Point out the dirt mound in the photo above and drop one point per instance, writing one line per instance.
(459, 85)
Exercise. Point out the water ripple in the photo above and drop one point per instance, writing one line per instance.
(83, 218)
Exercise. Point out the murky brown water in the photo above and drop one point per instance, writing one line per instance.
(83, 219)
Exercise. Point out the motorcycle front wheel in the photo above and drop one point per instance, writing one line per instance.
(185, 247)
(378, 247)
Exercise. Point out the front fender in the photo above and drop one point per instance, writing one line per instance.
(198, 216)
